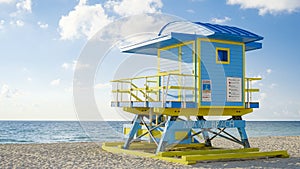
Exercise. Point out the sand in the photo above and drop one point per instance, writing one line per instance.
(90, 155)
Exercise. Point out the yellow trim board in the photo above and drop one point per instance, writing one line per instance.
(203, 152)
(220, 41)
(231, 156)
(253, 78)
(244, 74)
(177, 45)
(117, 150)
(219, 111)
(251, 90)
(199, 71)
(209, 111)
(179, 68)
(130, 152)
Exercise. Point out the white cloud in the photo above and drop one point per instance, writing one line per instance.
(74, 65)
(18, 23)
(65, 66)
(273, 85)
(268, 6)
(190, 11)
(83, 21)
(258, 76)
(55, 82)
(134, 7)
(5, 91)
(2, 22)
(29, 79)
(77, 65)
(102, 85)
(269, 71)
(69, 89)
(128, 27)
(262, 96)
(221, 20)
(6, 1)
(24, 5)
(43, 25)
(8, 92)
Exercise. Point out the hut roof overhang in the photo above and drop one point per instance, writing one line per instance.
(182, 31)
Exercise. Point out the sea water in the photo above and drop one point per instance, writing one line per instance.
(101, 131)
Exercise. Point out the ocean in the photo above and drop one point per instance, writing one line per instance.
(22, 132)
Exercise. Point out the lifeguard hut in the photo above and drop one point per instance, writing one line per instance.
(200, 73)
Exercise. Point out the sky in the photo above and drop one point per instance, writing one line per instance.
(40, 42)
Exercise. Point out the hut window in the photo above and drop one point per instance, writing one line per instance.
(223, 55)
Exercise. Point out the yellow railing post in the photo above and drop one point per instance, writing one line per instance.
(163, 85)
(249, 90)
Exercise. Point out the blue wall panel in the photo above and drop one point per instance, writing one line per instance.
(218, 73)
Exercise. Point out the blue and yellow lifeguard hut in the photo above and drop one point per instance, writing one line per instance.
(200, 73)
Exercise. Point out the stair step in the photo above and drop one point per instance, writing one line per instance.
(205, 152)
(232, 156)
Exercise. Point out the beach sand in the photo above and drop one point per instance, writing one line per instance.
(90, 155)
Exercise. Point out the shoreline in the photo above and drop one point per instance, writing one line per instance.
(90, 155)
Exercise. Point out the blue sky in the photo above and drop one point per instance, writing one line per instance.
(40, 42)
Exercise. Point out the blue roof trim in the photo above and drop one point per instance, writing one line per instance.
(224, 30)
(253, 46)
